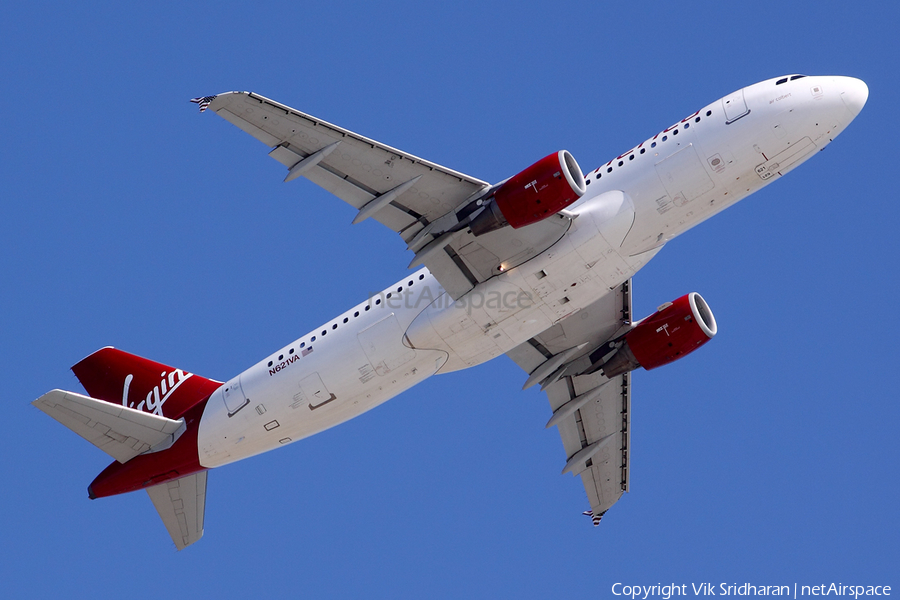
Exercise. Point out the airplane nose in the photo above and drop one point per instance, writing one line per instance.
(854, 93)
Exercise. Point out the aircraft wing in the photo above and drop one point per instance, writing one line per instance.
(596, 434)
(414, 197)
(181, 503)
(358, 169)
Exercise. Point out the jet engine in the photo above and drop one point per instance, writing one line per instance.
(541, 190)
(675, 330)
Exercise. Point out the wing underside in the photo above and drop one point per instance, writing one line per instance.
(596, 435)
(420, 200)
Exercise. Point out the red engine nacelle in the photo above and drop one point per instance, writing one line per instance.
(675, 330)
(541, 190)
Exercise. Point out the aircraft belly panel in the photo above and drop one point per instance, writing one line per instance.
(292, 404)
(383, 345)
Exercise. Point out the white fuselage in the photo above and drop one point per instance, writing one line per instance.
(633, 205)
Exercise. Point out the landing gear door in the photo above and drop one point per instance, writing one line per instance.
(233, 395)
(735, 106)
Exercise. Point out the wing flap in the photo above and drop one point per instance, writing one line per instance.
(451, 278)
(181, 503)
(121, 432)
(606, 418)
(286, 156)
(390, 216)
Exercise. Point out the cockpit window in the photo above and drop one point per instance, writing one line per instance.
(791, 78)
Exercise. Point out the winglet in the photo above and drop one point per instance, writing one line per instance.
(594, 518)
(203, 102)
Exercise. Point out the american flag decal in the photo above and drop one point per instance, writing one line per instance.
(594, 518)
(203, 102)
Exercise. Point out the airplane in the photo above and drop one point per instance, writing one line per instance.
(537, 267)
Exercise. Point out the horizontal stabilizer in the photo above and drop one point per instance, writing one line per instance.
(121, 432)
(181, 503)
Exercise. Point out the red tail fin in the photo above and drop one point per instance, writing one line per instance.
(122, 378)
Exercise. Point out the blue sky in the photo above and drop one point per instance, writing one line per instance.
(769, 456)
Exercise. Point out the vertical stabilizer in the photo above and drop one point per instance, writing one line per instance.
(145, 385)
